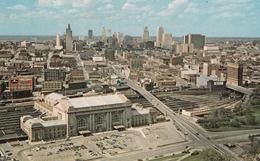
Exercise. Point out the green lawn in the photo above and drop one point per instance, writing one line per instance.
(169, 158)
(255, 112)
(193, 158)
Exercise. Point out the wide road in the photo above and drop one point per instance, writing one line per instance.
(194, 133)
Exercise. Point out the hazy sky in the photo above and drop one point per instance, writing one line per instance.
(223, 18)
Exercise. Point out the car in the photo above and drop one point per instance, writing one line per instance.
(49, 153)
(10, 154)
(150, 148)
(161, 155)
(7, 151)
(208, 138)
(197, 133)
(30, 154)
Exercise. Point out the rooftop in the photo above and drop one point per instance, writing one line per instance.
(97, 100)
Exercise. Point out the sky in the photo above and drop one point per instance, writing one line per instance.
(212, 18)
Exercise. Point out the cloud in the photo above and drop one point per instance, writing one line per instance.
(231, 1)
(176, 4)
(164, 13)
(70, 11)
(85, 15)
(17, 7)
(13, 17)
(128, 6)
(50, 3)
(108, 6)
(106, 1)
(134, 1)
(228, 15)
(85, 3)
(191, 8)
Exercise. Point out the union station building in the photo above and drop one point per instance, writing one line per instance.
(63, 117)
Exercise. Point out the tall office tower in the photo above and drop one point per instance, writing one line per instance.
(120, 38)
(69, 38)
(166, 41)
(90, 34)
(145, 35)
(58, 40)
(81, 38)
(128, 43)
(103, 34)
(198, 40)
(159, 36)
(58, 44)
(234, 74)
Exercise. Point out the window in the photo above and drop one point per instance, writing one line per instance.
(116, 118)
(81, 122)
(99, 120)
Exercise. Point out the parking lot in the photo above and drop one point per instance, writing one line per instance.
(101, 145)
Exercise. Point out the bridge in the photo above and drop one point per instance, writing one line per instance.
(239, 89)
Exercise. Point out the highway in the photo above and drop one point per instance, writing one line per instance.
(194, 133)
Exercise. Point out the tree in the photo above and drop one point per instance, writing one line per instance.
(235, 123)
(212, 155)
(250, 119)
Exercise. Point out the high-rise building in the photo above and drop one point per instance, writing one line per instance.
(81, 38)
(90, 34)
(69, 38)
(198, 40)
(58, 40)
(58, 44)
(234, 74)
(166, 41)
(145, 35)
(120, 38)
(103, 34)
(128, 43)
(159, 36)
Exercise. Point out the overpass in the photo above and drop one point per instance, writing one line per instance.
(239, 89)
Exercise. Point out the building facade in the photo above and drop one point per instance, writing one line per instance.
(159, 34)
(234, 74)
(54, 75)
(145, 34)
(90, 34)
(52, 85)
(81, 115)
(69, 39)
(166, 41)
(198, 40)
(18, 83)
(103, 34)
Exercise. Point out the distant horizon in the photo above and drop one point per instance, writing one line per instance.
(212, 18)
(141, 36)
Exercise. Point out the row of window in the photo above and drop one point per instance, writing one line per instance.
(98, 120)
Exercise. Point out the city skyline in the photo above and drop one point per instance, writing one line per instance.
(218, 18)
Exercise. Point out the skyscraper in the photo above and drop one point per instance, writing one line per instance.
(128, 43)
(120, 38)
(145, 35)
(90, 34)
(198, 40)
(103, 34)
(69, 38)
(58, 44)
(166, 41)
(159, 36)
(234, 73)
